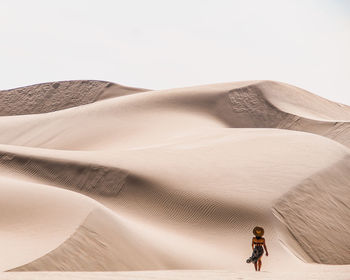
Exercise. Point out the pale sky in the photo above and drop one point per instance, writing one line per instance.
(161, 44)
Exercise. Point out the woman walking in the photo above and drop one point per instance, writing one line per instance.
(258, 242)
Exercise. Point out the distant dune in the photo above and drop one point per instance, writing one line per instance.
(49, 97)
(96, 176)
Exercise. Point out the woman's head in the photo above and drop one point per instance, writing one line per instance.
(258, 231)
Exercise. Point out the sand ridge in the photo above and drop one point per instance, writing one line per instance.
(178, 178)
(48, 97)
(152, 117)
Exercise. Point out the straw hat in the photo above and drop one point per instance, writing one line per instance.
(258, 231)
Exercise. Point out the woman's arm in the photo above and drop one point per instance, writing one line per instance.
(267, 253)
(253, 243)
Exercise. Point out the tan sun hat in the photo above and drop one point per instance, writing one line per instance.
(258, 231)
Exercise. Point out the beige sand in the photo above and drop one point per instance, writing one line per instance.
(177, 179)
(325, 273)
(48, 97)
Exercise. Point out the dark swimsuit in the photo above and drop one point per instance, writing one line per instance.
(258, 251)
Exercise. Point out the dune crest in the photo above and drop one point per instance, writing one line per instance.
(54, 96)
(175, 179)
(155, 117)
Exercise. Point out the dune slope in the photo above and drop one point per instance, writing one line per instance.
(54, 96)
(36, 218)
(154, 117)
(190, 214)
(177, 179)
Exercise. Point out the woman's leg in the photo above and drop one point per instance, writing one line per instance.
(255, 265)
(259, 264)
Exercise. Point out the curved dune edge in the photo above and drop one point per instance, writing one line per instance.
(54, 96)
(278, 105)
(101, 243)
(170, 164)
(151, 117)
(75, 175)
(166, 214)
(316, 215)
(36, 218)
(297, 101)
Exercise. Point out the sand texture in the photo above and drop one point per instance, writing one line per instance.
(169, 184)
(48, 97)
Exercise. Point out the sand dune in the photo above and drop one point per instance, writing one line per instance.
(325, 240)
(48, 97)
(174, 179)
(156, 117)
(219, 208)
(36, 218)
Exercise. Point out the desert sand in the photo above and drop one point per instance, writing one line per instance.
(104, 181)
